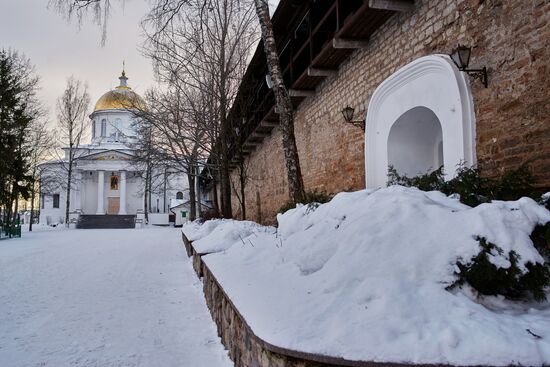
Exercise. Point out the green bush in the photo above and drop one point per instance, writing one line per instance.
(541, 240)
(469, 183)
(427, 182)
(511, 282)
(311, 198)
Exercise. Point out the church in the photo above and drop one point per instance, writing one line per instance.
(109, 187)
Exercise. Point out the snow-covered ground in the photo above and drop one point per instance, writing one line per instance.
(103, 298)
(364, 276)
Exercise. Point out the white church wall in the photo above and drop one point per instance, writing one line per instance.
(158, 218)
(134, 194)
(116, 121)
(53, 180)
(50, 215)
(89, 192)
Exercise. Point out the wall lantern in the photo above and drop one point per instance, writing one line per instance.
(268, 81)
(348, 113)
(461, 58)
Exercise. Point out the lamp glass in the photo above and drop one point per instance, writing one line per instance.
(268, 81)
(348, 112)
(456, 59)
(464, 55)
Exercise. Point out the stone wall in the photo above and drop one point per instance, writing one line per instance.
(510, 37)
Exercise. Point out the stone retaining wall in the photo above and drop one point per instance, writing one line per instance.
(244, 347)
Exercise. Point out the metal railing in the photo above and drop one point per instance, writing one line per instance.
(10, 231)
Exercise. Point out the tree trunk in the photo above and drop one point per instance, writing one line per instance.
(14, 221)
(149, 191)
(258, 207)
(198, 191)
(242, 183)
(226, 189)
(69, 182)
(284, 104)
(33, 195)
(192, 198)
(145, 196)
(215, 204)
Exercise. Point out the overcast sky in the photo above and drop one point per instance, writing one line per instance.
(59, 49)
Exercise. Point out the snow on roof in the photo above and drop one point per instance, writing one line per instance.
(177, 202)
(363, 277)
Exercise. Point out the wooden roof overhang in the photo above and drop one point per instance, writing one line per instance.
(313, 38)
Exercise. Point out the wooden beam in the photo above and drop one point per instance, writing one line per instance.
(251, 143)
(268, 123)
(395, 5)
(260, 134)
(311, 71)
(349, 43)
(301, 92)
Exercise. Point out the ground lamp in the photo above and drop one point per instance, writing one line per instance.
(461, 58)
(348, 113)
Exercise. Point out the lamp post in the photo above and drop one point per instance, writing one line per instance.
(461, 58)
(348, 113)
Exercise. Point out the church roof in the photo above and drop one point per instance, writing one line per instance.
(122, 97)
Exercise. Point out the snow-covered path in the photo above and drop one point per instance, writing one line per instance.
(103, 298)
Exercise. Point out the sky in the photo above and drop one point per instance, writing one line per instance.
(59, 48)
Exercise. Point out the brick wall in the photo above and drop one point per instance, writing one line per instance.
(510, 37)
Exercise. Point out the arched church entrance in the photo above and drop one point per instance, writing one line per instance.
(415, 142)
(419, 119)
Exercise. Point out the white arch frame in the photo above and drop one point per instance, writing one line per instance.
(433, 82)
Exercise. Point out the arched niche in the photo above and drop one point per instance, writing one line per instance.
(415, 142)
(430, 88)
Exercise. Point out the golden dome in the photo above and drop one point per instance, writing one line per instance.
(122, 97)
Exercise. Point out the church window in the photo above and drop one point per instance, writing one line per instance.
(93, 129)
(56, 200)
(114, 182)
(43, 201)
(103, 128)
(179, 195)
(118, 127)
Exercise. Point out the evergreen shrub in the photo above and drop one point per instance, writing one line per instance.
(479, 272)
(311, 198)
(510, 282)
(469, 183)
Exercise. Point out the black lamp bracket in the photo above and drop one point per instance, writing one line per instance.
(358, 123)
(480, 74)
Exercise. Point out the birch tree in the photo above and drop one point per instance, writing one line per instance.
(41, 140)
(203, 49)
(72, 113)
(284, 104)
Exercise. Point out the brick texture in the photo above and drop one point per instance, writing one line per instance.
(510, 37)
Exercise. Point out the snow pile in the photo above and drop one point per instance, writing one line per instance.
(220, 234)
(196, 230)
(364, 276)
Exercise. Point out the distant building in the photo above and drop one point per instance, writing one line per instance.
(106, 181)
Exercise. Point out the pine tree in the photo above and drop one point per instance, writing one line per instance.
(17, 112)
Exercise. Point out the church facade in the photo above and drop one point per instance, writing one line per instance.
(106, 179)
